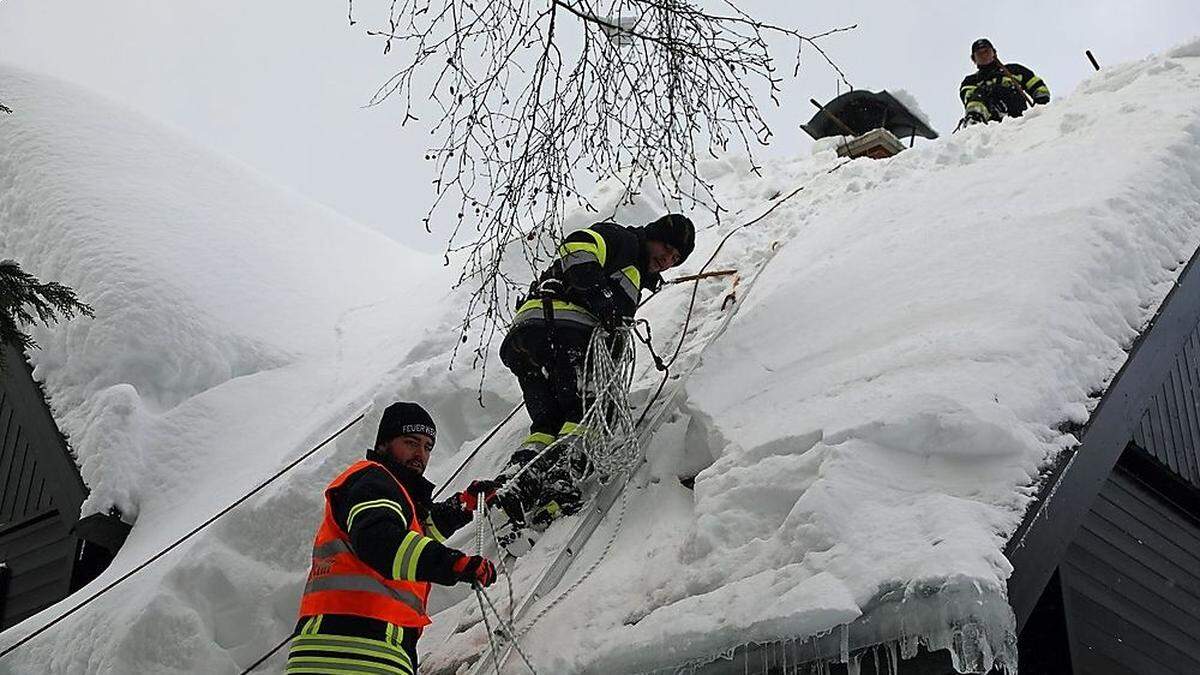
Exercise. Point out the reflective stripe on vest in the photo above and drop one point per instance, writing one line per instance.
(532, 310)
(575, 252)
(362, 582)
(339, 582)
(630, 281)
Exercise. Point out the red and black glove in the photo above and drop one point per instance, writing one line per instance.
(475, 569)
(469, 499)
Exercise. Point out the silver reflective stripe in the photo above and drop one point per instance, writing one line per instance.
(626, 285)
(362, 582)
(579, 258)
(331, 548)
(559, 315)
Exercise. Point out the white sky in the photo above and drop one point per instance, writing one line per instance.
(280, 84)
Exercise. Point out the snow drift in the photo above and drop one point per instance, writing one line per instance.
(866, 433)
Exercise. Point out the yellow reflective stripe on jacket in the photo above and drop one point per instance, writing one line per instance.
(573, 429)
(630, 281)
(390, 653)
(979, 107)
(966, 91)
(332, 665)
(434, 534)
(404, 565)
(563, 311)
(599, 249)
(374, 504)
(538, 437)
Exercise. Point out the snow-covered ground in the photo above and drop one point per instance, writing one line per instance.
(866, 431)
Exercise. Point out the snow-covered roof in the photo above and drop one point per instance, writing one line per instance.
(910, 337)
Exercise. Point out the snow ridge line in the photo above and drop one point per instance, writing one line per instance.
(557, 568)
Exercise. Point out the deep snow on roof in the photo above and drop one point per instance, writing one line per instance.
(870, 425)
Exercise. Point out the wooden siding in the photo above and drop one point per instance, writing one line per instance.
(1152, 401)
(40, 553)
(1131, 582)
(1169, 429)
(40, 496)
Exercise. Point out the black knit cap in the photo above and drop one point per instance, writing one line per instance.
(980, 44)
(402, 418)
(677, 231)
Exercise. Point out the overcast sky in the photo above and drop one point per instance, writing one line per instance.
(281, 84)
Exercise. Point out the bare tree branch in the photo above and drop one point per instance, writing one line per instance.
(536, 95)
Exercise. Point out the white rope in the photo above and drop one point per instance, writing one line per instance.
(608, 435)
(507, 630)
(609, 438)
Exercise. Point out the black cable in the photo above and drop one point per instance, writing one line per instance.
(479, 447)
(696, 287)
(189, 535)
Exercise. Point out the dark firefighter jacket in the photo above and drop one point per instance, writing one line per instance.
(991, 93)
(598, 277)
(370, 508)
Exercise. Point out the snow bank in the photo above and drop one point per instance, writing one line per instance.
(884, 399)
(865, 435)
(236, 324)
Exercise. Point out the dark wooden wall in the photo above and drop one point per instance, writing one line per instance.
(1131, 576)
(1169, 429)
(40, 496)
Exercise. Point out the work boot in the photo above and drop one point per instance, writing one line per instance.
(515, 498)
(558, 495)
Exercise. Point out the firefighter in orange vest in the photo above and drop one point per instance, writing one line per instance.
(376, 553)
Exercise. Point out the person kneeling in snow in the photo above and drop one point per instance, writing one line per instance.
(376, 552)
(996, 89)
(595, 283)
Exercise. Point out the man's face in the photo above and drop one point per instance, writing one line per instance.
(983, 56)
(410, 450)
(662, 256)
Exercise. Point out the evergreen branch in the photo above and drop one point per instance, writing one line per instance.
(25, 301)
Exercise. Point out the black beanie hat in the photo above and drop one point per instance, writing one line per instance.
(674, 229)
(402, 418)
(979, 44)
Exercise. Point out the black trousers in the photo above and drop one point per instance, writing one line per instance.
(547, 365)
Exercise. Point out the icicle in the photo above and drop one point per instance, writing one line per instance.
(853, 667)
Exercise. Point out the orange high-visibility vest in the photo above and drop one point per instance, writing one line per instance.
(341, 583)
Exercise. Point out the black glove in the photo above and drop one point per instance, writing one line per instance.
(603, 305)
(475, 569)
(975, 117)
(1041, 100)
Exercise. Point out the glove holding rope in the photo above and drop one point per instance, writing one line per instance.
(468, 500)
(474, 569)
